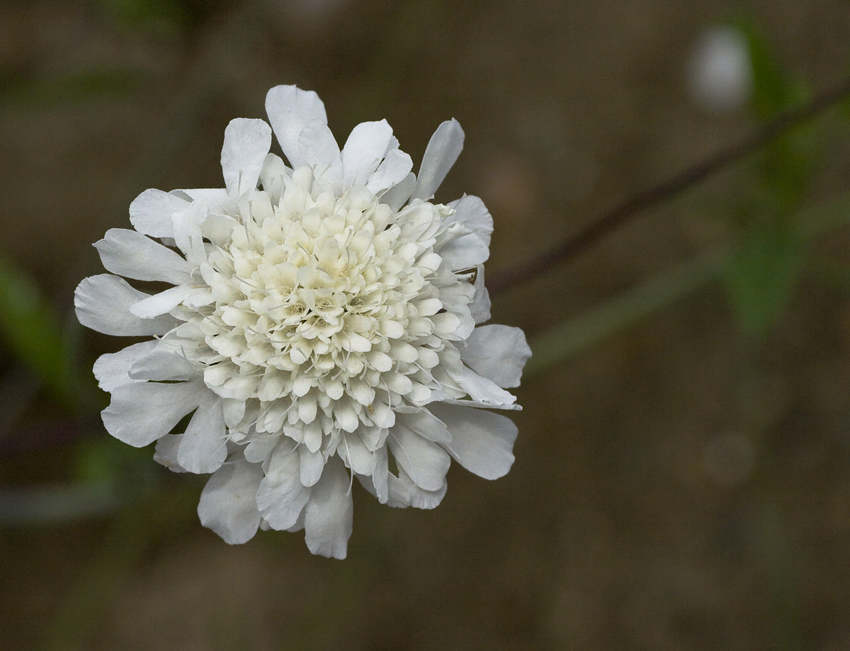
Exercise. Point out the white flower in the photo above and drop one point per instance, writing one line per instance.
(322, 321)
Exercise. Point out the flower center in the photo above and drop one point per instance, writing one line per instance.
(325, 316)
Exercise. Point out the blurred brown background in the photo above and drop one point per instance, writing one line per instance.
(676, 487)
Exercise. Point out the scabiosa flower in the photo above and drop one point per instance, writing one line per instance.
(322, 325)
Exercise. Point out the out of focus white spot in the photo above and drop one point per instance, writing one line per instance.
(720, 75)
(729, 458)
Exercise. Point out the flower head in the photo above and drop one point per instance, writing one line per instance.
(322, 324)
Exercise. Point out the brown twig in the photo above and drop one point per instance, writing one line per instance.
(666, 190)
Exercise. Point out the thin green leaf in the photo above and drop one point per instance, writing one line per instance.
(57, 504)
(31, 330)
(167, 14)
(72, 88)
(773, 89)
(570, 338)
(762, 274)
(567, 339)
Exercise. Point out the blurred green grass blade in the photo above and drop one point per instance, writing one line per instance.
(826, 216)
(565, 340)
(574, 336)
(764, 270)
(71, 88)
(773, 89)
(27, 507)
(31, 330)
(762, 273)
(786, 164)
(147, 13)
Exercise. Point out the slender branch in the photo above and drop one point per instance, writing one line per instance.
(666, 190)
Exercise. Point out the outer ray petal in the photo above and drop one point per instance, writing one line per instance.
(246, 144)
(162, 303)
(228, 503)
(471, 212)
(466, 252)
(442, 152)
(482, 390)
(425, 462)
(203, 446)
(415, 496)
(103, 304)
(142, 412)
(482, 442)
(162, 365)
(479, 308)
(363, 151)
(318, 146)
(497, 352)
(393, 170)
(399, 193)
(151, 211)
(312, 465)
(131, 254)
(290, 110)
(165, 452)
(329, 514)
(112, 370)
(282, 496)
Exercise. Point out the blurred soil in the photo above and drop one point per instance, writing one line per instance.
(676, 487)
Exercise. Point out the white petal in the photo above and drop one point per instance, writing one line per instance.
(471, 212)
(246, 143)
(298, 526)
(274, 174)
(413, 495)
(424, 461)
(479, 308)
(259, 449)
(103, 304)
(216, 200)
(319, 147)
(394, 169)
(440, 154)
(498, 352)
(112, 370)
(355, 453)
(427, 425)
(380, 474)
(482, 442)
(166, 452)
(329, 514)
(217, 228)
(312, 464)
(162, 303)
(142, 412)
(163, 365)
(466, 252)
(150, 212)
(282, 496)
(131, 254)
(440, 397)
(363, 151)
(187, 231)
(398, 194)
(203, 447)
(290, 109)
(481, 389)
(228, 503)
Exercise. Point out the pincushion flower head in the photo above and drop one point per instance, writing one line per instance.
(322, 324)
